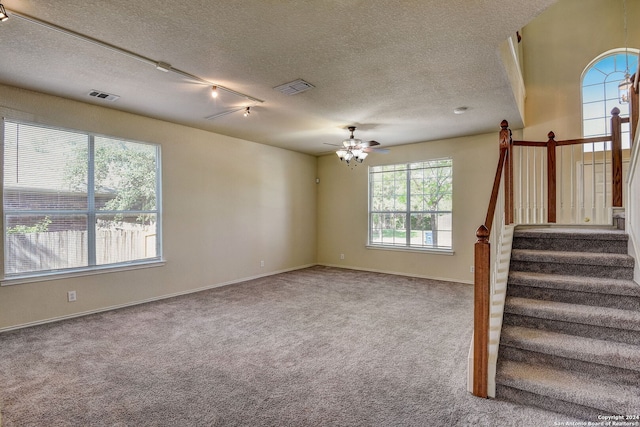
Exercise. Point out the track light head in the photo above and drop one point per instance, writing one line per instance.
(247, 111)
(214, 91)
(3, 14)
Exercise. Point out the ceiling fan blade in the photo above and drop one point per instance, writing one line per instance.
(376, 150)
(369, 143)
(334, 145)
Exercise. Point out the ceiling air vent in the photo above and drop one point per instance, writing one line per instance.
(103, 95)
(294, 87)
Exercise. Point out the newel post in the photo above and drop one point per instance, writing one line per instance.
(481, 312)
(551, 177)
(506, 143)
(616, 157)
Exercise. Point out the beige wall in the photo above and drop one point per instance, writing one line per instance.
(557, 46)
(342, 208)
(227, 203)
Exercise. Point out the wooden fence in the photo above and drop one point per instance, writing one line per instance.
(30, 252)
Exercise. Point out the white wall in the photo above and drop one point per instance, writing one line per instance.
(227, 203)
(342, 208)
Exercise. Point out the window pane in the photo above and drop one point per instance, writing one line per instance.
(593, 76)
(44, 168)
(594, 110)
(45, 242)
(594, 127)
(592, 93)
(389, 229)
(125, 175)
(123, 238)
(388, 191)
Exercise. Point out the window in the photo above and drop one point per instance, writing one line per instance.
(410, 205)
(75, 201)
(600, 95)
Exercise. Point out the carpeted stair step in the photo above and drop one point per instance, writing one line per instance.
(614, 293)
(574, 393)
(601, 323)
(609, 373)
(614, 266)
(572, 239)
(570, 340)
(615, 354)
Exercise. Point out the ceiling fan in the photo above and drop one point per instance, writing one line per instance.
(354, 149)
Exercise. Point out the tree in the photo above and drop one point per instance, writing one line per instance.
(434, 187)
(124, 171)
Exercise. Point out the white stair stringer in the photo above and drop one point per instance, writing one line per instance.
(499, 277)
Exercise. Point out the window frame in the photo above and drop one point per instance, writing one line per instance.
(408, 211)
(586, 106)
(90, 212)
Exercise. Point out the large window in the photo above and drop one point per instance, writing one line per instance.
(410, 205)
(600, 95)
(76, 201)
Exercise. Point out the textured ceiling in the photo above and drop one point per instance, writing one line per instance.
(395, 69)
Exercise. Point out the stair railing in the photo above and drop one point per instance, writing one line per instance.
(483, 289)
(503, 194)
(542, 196)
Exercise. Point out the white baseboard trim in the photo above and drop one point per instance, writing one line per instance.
(399, 273)
(158, 298)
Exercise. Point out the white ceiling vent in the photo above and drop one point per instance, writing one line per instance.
(103, 95)
(294, 87)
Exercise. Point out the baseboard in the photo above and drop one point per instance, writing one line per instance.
(399, 273)
(144, 301)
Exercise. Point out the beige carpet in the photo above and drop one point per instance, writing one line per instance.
(315, 347)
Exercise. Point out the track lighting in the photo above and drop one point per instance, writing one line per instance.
(247, 111)
(214, 91)
(3, 14)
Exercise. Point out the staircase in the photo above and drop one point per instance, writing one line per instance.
(570, 341)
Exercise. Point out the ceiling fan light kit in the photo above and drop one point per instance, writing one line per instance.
(354, 149)
(3, 14)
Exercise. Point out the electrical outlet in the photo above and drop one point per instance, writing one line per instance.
(341, 256)
(261, 263)
(71, 296)
(472, 269)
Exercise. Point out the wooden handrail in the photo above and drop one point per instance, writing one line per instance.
(493, 201)
(482, 264)
(565, 142)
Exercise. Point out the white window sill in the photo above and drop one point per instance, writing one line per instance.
(405, 249)
(44, 277)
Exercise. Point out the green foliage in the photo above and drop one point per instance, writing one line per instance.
(39, 227)
(124, 170)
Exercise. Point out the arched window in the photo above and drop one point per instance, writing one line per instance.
(600, 94)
